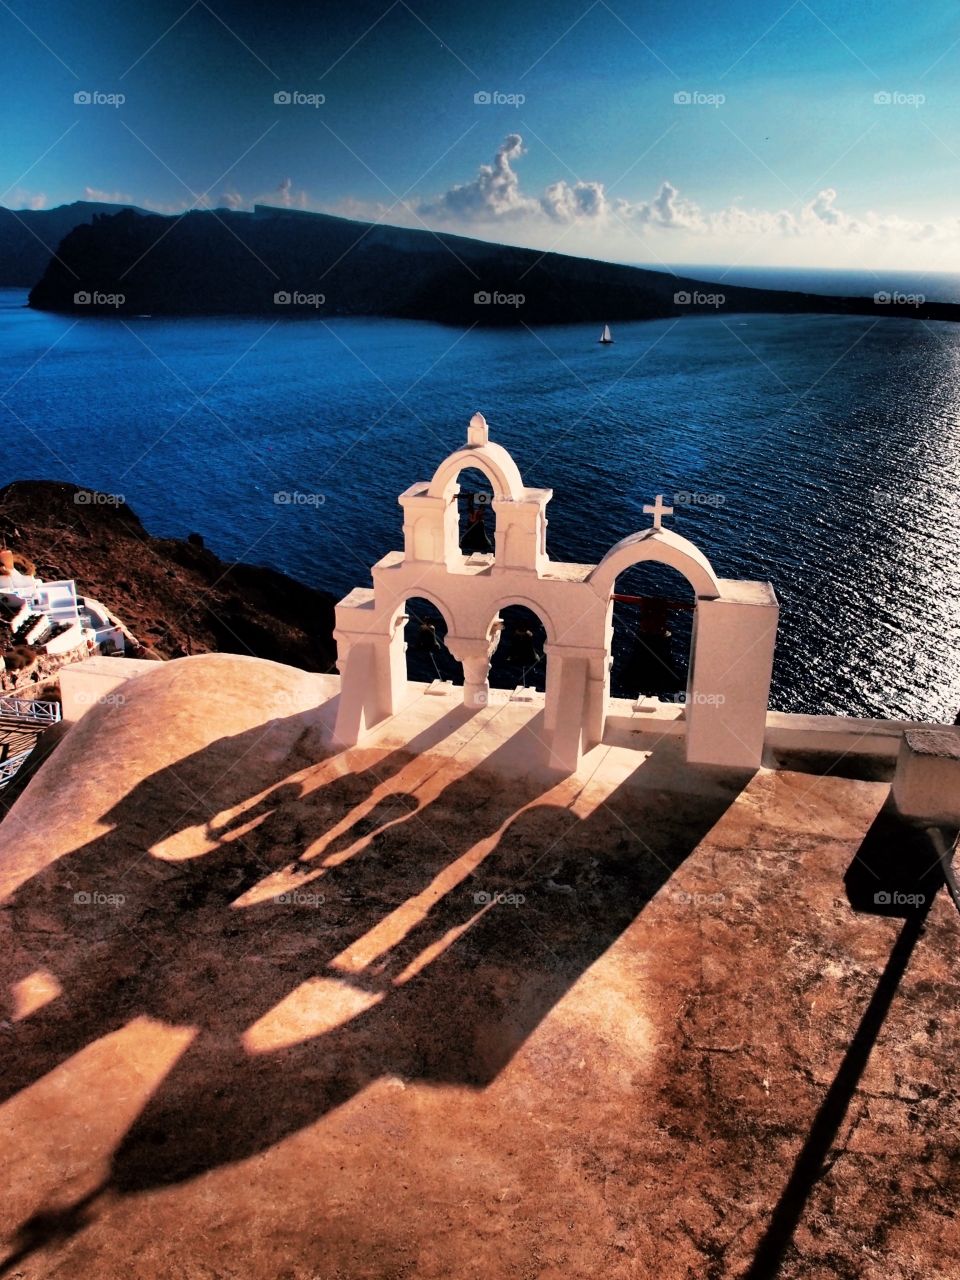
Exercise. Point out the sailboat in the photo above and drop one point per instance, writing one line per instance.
(605, 338)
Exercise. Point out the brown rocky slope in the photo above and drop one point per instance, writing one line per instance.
(175, 596)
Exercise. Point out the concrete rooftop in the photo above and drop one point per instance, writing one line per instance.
(413, 1010)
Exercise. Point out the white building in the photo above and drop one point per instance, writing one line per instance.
(726, 700)
(54, 610)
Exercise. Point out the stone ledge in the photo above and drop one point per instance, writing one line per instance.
(941, 743)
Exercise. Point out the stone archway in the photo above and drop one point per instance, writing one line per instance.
(665, 547)
(420, 630)
(657, 546)
(474, 498)
(481, 452)
(490, 460)
(431, 517)
(652, 612)
(521, 654)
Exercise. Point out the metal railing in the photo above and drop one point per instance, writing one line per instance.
(10, 768)
(31, 710)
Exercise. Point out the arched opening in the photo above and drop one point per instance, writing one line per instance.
(475, 517)
(653, 610)
(520, 658)
(424, 633)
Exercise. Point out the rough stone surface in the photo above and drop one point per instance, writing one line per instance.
(944, 743)
(406, 1011)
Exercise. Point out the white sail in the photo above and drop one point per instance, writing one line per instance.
(605, 336)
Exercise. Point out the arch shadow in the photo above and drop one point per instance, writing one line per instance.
(459, 986)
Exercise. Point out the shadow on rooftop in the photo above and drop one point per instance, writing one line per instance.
(421, 919)
(895, 872)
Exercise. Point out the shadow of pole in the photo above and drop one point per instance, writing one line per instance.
(810, 1163)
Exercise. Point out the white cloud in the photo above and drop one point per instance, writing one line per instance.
(21, 199)
(669, 210)
(493, 194)
(566, 203)
(495, 197)
(285, 195)
(107, 197)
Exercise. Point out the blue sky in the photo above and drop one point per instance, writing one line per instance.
(816, 133)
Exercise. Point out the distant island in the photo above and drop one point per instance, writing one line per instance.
(29, 237)
(282, 262)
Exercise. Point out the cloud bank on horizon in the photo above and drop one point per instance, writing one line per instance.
(494, 199)
(585, 217)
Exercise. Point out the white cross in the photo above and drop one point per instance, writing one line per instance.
(658, 511)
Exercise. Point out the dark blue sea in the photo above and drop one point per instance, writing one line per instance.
(822, 453)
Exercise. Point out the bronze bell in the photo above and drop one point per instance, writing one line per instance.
(475, 537)
(523, 650)
(426, 641)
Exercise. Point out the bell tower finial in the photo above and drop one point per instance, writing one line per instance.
(478, 433)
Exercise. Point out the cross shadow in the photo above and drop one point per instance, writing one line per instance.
(484, 903)
(894, 873)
